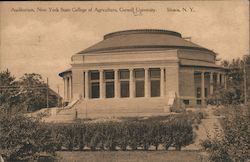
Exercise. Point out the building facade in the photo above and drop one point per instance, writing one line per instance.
(143, 68)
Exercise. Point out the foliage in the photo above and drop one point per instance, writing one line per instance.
(222, 96)
(235, 144)
(8, 96)
(128, 134)
(178, 109)
(22, 138)
(234, 94)
(29, 93)
(34, 92)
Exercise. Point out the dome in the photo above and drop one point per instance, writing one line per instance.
(142, 39)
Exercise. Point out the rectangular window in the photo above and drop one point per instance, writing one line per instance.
(198, 102)
(139, 73)
(139, 82)
(198, 92)
(124, 74)
(155, 73)
(124, 82)
(95, 90)
(124, 88)
(94, 84)
(139, 90)
(94, 75)
(109, 83)
(109, 75)
(155, 88)
(186, 102)
(110, 87)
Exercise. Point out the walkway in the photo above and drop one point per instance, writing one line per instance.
(209, 128)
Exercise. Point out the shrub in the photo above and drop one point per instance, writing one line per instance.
(156, 134)
(21, 138)
(182, 133)
(234, 146)
(123, 134)
(176, 131)
(110, 135)
(134, 135)
(207, 144)
(167, 136)
(179, 109)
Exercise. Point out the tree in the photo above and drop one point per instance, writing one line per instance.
(9, 94)
(234, 94)
(22, 138)
(27, 94)
(234, 145)
(34, 92)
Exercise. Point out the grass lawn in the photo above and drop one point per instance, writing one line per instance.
(130, 156)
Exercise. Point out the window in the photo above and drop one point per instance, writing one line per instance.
(124, 74)
(94, 75)
(109, 84)
(95, 90)
(198, 92)
(186, 102)
(155, 88)
(124, 88)
(124, 83)
(94, 84)
(198, 102)
(155, 75)
(110, 87)
(139, 82)
(109, 75)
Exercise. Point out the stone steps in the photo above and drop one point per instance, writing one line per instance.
(96, 108)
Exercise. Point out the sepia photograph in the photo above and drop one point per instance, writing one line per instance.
(125, 81)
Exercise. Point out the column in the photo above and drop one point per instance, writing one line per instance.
(146, 86)
(211, 83)
(162, 82)
(117, 88)
(218, 79)
(225, 81)
(101, 84)
(202, 89)
(86, 85)
(71, 85)
(83, 77)
(65, 88)
(222, 79)
(131, 83)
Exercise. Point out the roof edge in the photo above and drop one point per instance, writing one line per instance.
(65, 72)
(142, 31)
(137, 47)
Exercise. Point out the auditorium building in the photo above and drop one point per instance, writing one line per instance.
(145, 70)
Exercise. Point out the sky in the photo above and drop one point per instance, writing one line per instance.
(40, 41)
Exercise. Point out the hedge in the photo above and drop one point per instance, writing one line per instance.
(123, 135)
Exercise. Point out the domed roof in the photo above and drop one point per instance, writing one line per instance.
(142, 39)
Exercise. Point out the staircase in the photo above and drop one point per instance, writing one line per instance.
(110, 108)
